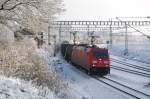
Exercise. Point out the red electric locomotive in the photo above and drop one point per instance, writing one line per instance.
(94, 59)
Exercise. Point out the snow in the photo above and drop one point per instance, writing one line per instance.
(12, 88)
(81, 84)
(132, 61)
(132, 80)
(138, 48)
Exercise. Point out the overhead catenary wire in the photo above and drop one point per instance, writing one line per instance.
(134, 28)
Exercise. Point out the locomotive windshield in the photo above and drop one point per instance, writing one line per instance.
(100, 54)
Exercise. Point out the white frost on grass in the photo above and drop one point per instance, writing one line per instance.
(11, 88)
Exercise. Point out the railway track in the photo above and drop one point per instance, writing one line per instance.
(123, 88)
(145, 62)
(132, 65)
(137, 60)
(126, 90)
(130, 71)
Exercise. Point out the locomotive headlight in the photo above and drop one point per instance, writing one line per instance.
(94, 62)
(93, 65)
(106, 62)
(100, 59)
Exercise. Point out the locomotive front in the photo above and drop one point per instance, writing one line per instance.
(100, 61)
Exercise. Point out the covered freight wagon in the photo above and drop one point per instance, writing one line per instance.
(66, 50)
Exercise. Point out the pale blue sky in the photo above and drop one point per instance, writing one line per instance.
(96, 9)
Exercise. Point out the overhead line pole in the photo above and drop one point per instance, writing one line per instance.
(110, 33)
(60, 33)
(48, 35)
(126, 40)
(126, 51)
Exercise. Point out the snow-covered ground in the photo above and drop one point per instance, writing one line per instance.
(138, 48)
(12, 88)
(82, 85)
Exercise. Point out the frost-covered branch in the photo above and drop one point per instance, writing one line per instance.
(28, 14)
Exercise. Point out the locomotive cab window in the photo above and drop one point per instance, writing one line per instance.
(100, 54)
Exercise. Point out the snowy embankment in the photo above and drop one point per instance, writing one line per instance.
(12, 88)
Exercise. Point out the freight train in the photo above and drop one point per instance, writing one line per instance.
(92, 58)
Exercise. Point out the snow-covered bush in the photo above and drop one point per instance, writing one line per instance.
(12, 88)
(14, 57)
(6, 35)
(21, 60)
